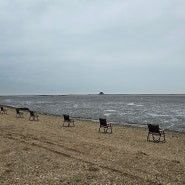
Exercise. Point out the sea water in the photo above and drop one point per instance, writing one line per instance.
(138, 110)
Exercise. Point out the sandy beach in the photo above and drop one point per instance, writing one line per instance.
(45, 153)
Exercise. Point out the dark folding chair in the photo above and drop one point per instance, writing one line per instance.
(154, 130)
(19, 114)
(105, 125)
(33, 116)
(68, 120)
(3, 111)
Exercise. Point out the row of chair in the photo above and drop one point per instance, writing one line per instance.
(153, 130)
(103, 123)
(33, 116)
(19, 114)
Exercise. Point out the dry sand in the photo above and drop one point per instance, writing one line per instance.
(43, 152)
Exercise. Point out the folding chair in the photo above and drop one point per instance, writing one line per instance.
(33, 116)
(19, 114)
(105, 125)
(3, 111)
(154, 131)
(68, 120)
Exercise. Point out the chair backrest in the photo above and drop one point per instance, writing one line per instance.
(66, 117)
(31, 113)
(17, 111)
(103, 121)
(153, 128)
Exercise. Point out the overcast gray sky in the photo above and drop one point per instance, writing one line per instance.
(88, 46)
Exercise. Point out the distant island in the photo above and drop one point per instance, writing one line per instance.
(101, 93)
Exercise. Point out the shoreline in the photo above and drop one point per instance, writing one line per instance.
(96, 121)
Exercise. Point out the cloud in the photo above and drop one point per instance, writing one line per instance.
(94, 43)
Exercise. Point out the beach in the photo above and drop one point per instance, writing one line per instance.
(45, 152)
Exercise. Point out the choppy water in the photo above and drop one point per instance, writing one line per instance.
(138, 110)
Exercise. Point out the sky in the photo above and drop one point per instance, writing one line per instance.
(88, 46)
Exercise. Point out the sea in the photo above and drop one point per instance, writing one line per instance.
(168, 111)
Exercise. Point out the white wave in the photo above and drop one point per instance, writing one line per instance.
(75, 106)
(110, 110)
(130, 103)
(107, 115)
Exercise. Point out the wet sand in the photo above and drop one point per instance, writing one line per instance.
(45, 152)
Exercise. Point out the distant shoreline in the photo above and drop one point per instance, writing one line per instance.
(91, 120)
(134, 110)
(126, 94)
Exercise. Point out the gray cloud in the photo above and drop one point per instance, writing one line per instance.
(80, 46)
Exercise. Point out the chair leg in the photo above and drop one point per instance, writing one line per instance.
(159, 138)
(164, 139)
(68, 123)
(148, 137)
(106, 130)
(153, 137)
